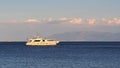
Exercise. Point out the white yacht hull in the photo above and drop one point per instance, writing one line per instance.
(50, 43)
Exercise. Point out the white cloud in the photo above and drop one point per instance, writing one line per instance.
(50, 19)
(91, 21)
(113, 21)
(67, 21)
(117, 21)
(76, 21)
(32, 20)
(63, 19)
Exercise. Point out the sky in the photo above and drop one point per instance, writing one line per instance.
(20, 19)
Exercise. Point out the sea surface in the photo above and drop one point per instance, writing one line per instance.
(65, 55)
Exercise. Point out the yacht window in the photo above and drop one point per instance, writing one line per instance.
(36, 40)
(43, 40)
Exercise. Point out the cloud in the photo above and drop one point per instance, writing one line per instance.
(54, 20)
(91, 21)
(113, 21)
(76, 21)
(63, 19)
(32, 20)
(50, 19)
(67, 21)
(116, 20)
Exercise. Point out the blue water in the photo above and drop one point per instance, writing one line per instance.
(65, 55)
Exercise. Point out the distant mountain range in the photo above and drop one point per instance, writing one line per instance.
(86, 36)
